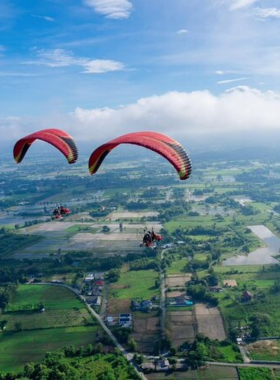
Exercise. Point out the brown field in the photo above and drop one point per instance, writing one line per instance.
(267, 346)
(210, 373)
(128, 215)
(174, 294)
(50, 226)
(178, 280)
(118, 306)
(182, 327)
(232, 283)
(146, 334)
(210, 322)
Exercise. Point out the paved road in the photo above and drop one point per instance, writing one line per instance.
(163, 296)
(129, 356)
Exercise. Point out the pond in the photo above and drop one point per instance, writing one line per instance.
(261, 255)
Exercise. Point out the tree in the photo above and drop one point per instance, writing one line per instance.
(132, 344)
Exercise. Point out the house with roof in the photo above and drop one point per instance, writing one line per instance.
(163, 365)
(215, 289)
(247, 296)
(147, 367)
(145, 305)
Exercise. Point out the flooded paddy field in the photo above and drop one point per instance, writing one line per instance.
(260, 256)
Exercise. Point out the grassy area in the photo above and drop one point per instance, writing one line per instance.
(256, 374)
(229, 354)
(177, 266)
(62, 308)
(136, 284)
(18, 348)
(53, 297)
(180, 308)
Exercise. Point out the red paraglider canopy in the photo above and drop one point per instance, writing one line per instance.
(56, 137)
(157, 142)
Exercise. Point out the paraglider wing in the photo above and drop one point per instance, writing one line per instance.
(56, 137)
(157, 142)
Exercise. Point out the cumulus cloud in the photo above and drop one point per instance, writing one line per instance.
(63, 58)
(201, 115)
(99, 66)
(264, 13)
(114, 9)
(185, 114)
(226, 81)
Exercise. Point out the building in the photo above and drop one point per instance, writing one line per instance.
(215, 289)
(163, 365)
(144, 306)
(89, 277)
(125, 320)
(147, 367)
(247, 296)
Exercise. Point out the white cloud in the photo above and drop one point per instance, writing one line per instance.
(99, 66)
(267, 13)
(219, 72)
(184, 114)
(236, 112)
(114, 9)
(226, 81)
(182, 31)
(239, 4)
(63, 58)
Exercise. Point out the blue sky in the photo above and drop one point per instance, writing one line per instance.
(177, 66)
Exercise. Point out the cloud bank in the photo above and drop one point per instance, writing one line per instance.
(199, 115)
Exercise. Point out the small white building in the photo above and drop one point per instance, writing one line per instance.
(89, 277)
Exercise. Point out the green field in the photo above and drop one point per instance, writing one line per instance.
(18, 348)
(135, 284)
(256, 374)
(177, 266)
(62, 308)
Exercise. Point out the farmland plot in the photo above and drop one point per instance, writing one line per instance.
(182, 327)
(147, 334)
(178, 280)
(58, 235)
(210, 322)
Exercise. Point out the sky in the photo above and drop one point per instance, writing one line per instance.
(199, 70)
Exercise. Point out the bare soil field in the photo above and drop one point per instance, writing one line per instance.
(231, 283)
(50, 226)
(129, 214)
(118, 306)
(182, 327)
(210, 322)
(178, 280)
(146, 334)
(174, 294)
(210, 373)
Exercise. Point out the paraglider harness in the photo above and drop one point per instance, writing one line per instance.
(149, 239)
(59, 212)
